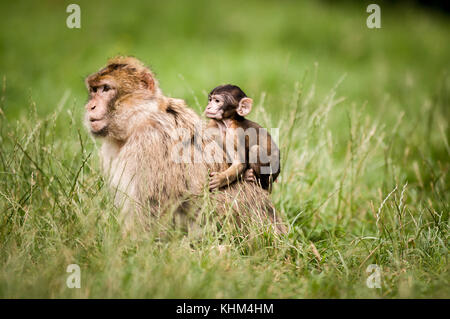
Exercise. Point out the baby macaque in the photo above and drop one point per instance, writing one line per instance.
(249, 147)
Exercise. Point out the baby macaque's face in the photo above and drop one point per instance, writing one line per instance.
(215, 107)
(227, 102)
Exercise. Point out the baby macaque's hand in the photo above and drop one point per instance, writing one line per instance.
(215, 181)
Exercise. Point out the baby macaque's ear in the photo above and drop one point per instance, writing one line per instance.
(245, 106)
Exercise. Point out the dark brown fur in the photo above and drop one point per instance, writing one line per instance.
(229, 121)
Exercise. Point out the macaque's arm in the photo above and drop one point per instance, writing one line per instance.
(220, 179)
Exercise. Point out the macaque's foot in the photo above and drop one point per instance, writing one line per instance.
(249, 176)
(215, 181)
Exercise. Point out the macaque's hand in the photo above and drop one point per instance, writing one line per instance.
(216, 181)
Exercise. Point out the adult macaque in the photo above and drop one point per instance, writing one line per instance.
(138, 125)
(227, 107)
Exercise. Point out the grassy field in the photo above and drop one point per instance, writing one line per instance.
(364, 133)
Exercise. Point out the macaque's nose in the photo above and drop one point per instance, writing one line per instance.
(90, 106)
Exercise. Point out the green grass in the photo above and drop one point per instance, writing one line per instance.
(363, 117)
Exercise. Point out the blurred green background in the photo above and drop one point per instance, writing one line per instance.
(196, 45)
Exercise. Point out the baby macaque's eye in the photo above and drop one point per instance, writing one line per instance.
(106, 88)
(216, 100)
(94, 89)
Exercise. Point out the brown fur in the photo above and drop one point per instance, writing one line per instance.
(137, 149)
(226, 119)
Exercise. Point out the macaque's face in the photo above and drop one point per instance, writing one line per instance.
(101, 100)
(215, 107)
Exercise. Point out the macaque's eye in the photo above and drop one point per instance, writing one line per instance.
(216, 100)
(94, 89)
(106, 88)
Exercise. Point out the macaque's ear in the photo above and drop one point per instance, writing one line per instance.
(245, 106)
(147, 80)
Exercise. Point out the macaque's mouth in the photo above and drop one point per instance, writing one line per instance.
(97, 124)
(213, 115)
